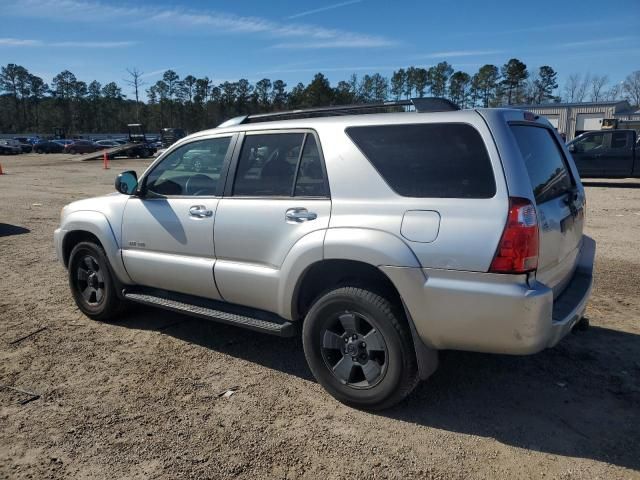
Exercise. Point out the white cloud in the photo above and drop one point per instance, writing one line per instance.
(19, 42)
(155, 73)
(461, 53)
(323, 9)
(210, 22)
(82, 44)
(598, 41)
(338, 43)
(25, 42)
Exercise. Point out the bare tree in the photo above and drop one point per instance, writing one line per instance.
(596, 87)
(571, 87)
(581, 94)
(136, 83)
(614, 93)
(631, 87)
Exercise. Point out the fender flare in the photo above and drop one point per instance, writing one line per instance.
(98, 225)
(369, 245)
(373, 247)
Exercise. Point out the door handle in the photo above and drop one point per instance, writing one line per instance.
(200, 211)
(299, 215)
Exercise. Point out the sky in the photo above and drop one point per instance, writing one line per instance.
(292, 40)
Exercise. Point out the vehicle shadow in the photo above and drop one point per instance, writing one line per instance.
(580, 399)
(7, 230)
(283, 354)
(606, 184)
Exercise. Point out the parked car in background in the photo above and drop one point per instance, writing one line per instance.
(25, 144)
(10, 146)
(169, 136)
(606, 154)
(63, 141)
(82, 146)
(383, 237)
(108, 143)
(48, 146)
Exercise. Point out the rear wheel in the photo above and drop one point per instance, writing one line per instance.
(359, 348)
(91, 282)
(72, 151)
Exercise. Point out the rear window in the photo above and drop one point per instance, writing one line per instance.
(544, 161)
(446, 160)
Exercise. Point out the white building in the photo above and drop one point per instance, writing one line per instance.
(572, 119)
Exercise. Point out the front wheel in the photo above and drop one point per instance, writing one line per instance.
(91, 283)
(358, 346)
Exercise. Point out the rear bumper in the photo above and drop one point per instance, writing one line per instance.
(492, 313)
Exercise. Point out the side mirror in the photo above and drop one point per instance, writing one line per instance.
(127, 182)
(572, 148)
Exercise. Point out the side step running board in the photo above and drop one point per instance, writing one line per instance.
(216, 311)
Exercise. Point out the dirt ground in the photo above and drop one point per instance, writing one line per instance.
(140, 398)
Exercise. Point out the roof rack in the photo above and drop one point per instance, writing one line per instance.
(420, 105)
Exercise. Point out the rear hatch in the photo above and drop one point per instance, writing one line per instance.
(559, 203)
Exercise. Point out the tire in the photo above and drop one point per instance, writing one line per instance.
(359, 348)
(93, 289)
(144, 153)
(72, 151)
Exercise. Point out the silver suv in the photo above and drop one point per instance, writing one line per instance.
(382, 237)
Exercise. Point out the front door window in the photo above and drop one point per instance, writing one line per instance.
(194, 169)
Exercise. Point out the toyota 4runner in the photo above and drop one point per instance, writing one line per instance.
(382, 238)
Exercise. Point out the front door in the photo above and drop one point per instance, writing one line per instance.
(279, 196)
(587, 153)
(168, 231)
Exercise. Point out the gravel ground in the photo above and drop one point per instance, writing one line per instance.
(141, 398)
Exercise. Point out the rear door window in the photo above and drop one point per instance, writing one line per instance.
(619, 140)
(447, 160)
(545, 162)
(280, 165)
(267, 165)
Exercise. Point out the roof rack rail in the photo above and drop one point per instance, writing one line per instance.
(420, 105)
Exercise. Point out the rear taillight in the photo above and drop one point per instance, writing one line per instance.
(518, 248)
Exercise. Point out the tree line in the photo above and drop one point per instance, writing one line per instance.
(29, 104)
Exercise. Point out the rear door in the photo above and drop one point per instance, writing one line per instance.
(559, 204)
(277, 194)
(617, 159)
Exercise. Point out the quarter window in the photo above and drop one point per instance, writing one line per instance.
(192, 169)
(446, 160)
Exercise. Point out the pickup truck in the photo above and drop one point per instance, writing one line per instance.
(607, 154)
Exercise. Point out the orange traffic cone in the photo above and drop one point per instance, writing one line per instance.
(105, 161)
(1, 172)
